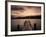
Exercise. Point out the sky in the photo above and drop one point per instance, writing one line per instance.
(22, 11)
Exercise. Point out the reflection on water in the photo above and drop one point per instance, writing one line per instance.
(19, 23)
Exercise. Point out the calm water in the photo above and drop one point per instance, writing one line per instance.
(15, 22)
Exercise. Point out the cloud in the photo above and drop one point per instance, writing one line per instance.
(28, 11)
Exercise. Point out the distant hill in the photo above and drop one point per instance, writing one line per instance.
(26, 17)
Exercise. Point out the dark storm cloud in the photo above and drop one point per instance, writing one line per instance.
(16, 7)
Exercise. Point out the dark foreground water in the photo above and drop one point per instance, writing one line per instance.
(20, 22)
